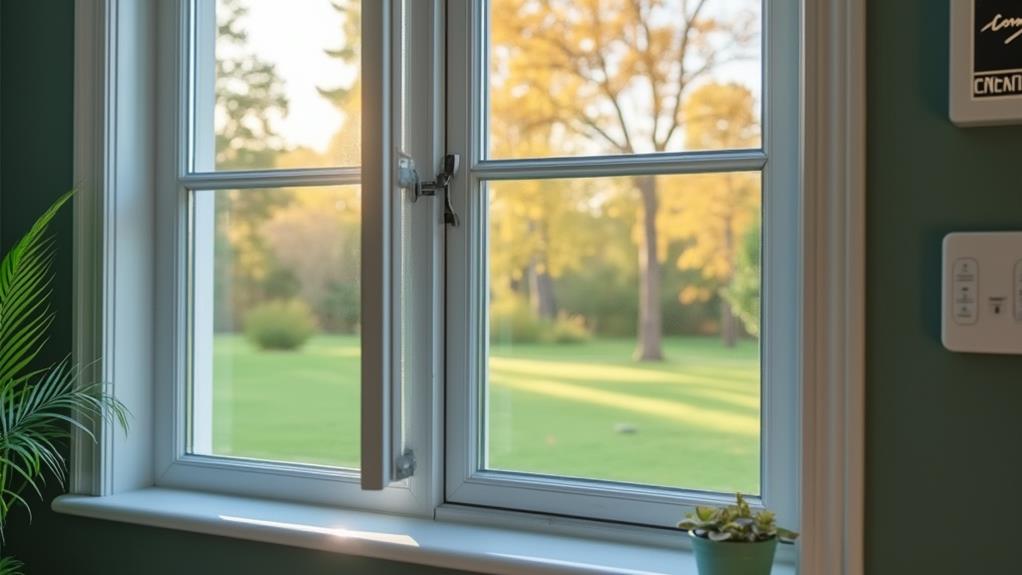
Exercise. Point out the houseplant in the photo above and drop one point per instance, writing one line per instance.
(732, 540)
(39, 405)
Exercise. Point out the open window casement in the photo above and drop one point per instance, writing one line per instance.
(396, 240)
(402, 242)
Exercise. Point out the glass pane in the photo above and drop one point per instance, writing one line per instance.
(621, 358)
(276, 316)
(278, 87)
(575, 78)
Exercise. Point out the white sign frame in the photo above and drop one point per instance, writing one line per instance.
(965, 108)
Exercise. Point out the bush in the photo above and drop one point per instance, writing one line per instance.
(568, 329)
(511, 321)
(341, 308)
(283, 325)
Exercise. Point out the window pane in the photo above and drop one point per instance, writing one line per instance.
(276, 305)
(572, 78)
(284, 89)
(572, 389)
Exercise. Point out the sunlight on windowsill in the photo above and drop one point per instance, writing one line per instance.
(339, 532)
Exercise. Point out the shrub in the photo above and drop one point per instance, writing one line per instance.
(511, 321)
(341, 308)
(283, 325)
(569, 329)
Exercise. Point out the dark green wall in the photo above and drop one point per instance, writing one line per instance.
(36, 104)
(943, 450)
(944, 456)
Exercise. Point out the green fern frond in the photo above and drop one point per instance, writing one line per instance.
(10, 566)
(25, 280)
(39, 408)
(35, 420)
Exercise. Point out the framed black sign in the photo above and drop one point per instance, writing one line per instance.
(986, 61)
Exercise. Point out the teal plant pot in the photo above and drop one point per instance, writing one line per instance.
(729, 558)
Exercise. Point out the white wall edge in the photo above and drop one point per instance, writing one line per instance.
(833, 393)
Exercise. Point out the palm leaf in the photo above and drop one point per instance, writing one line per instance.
(39, 408)
(10, 566)
(35, 420)
(24, 290)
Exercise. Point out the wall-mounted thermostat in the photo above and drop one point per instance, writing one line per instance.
(986, 62)
(982, 292)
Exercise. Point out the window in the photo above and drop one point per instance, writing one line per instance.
(631, 167)
(273, 261)
(616, 328)
(292, 291)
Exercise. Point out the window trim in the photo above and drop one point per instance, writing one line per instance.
(114, 210)
(833, 390)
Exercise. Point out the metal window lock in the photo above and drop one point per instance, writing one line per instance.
(408, 178)
(404, 466)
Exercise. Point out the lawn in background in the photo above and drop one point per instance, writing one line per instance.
(584, 410)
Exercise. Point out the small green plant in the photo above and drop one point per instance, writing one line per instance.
(282, 325)
(40, 405)
(736, 523)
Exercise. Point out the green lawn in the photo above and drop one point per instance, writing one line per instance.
(584, 410)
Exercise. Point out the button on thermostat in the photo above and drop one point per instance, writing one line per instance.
(982, 292)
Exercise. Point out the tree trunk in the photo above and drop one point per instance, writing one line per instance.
(541, 292)
(650, 313)
(728, 327)
(541, 285)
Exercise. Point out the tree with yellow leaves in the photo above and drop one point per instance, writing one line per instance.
(612, 77)
(714, 212)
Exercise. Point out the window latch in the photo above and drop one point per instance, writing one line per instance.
(408, 177)
(404, 466)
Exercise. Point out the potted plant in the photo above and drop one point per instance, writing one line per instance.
(732, 540)
(39, 404)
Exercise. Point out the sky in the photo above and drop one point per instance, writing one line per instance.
(294, 34)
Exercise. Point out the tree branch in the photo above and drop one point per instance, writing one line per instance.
(611, 94)
(690, 20)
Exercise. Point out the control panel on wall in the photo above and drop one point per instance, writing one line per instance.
(982, 292)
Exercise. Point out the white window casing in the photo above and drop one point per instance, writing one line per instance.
(132, 174)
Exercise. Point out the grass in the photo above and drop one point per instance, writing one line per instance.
(584, 410)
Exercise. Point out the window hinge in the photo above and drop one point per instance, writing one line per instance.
(404, 466)
(408, 177)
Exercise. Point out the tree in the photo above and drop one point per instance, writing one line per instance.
(346, 145)
(713, 212)
(743, 294)
(539, 228)
(314, 237)
(318, 236)
(249, 95)
(615, 75)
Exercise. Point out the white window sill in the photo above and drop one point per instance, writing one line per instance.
(390, 537)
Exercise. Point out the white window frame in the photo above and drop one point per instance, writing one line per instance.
(777, 161)
(117, 287)
(150, 140)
